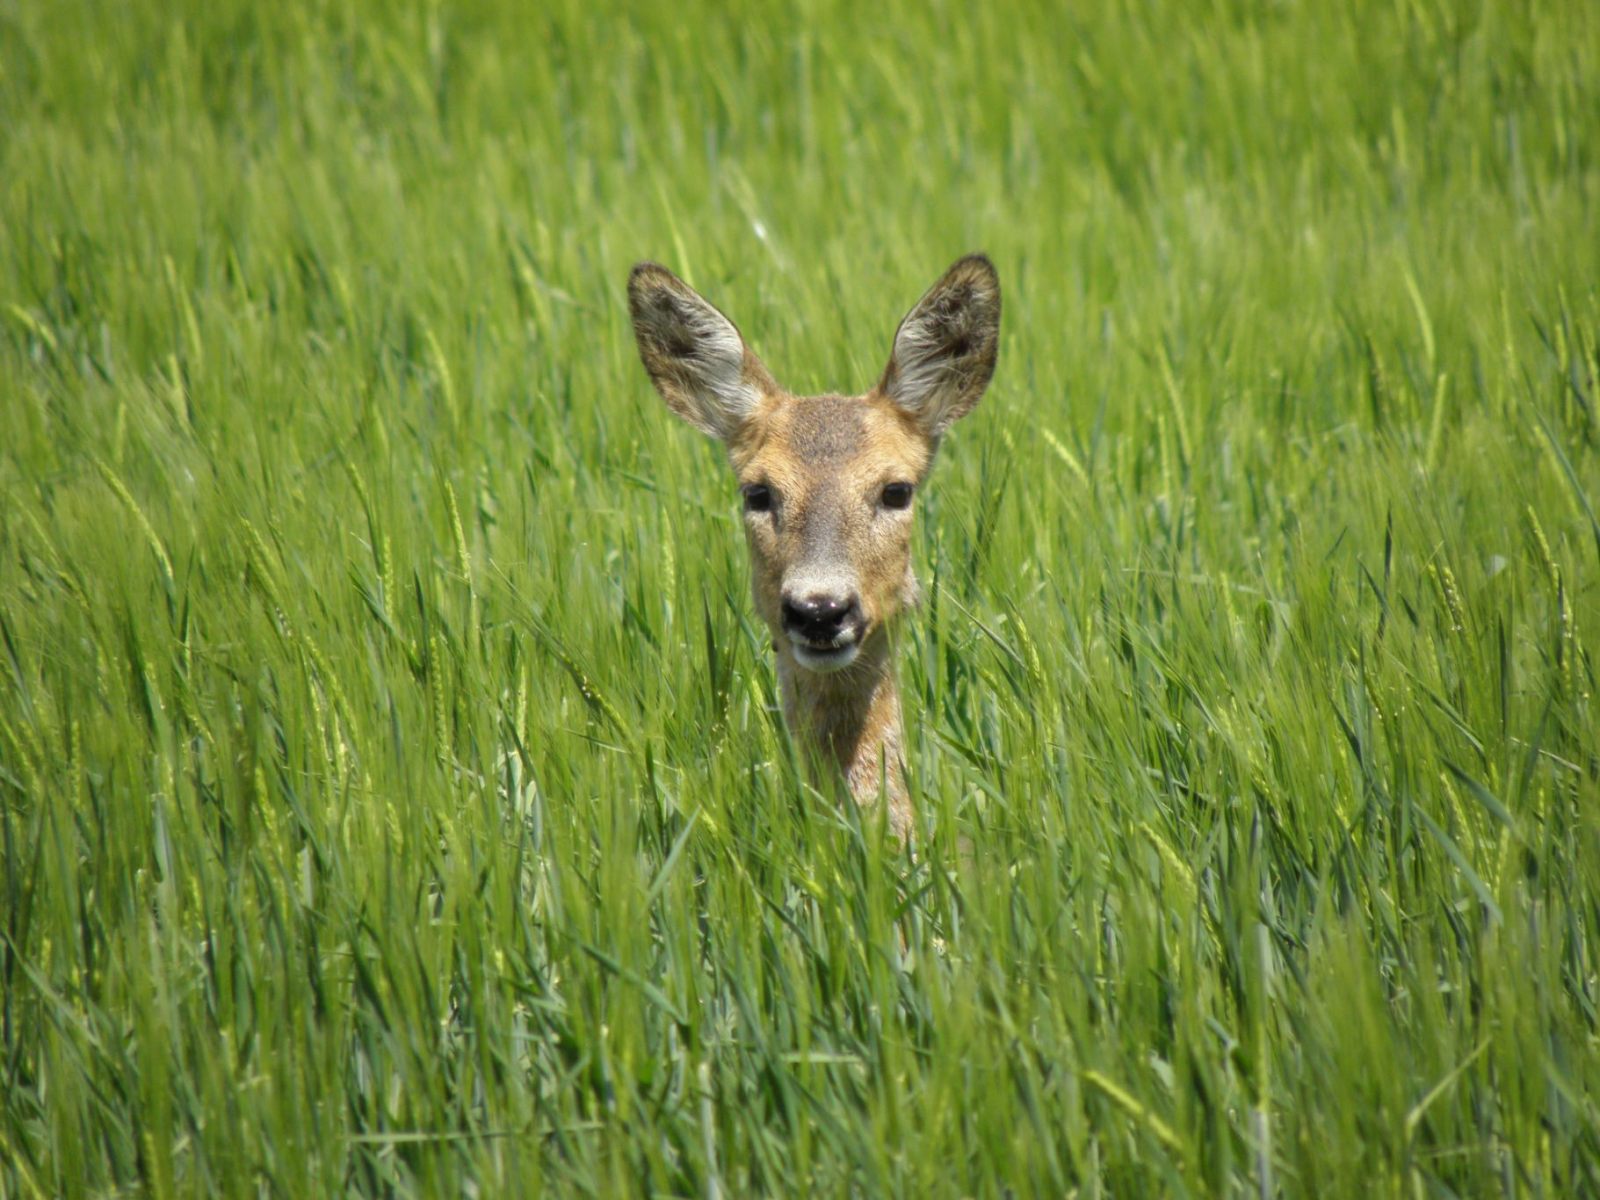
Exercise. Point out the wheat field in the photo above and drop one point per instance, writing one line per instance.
(393, 796)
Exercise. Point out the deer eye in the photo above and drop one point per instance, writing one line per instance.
(757, 497)
(897, 495)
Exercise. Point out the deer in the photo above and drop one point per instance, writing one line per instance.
(828, 486)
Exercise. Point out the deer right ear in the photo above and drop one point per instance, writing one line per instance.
(945, 348)
(694, 354)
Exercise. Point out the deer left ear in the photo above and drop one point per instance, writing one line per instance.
(945, 349)
(694, 354)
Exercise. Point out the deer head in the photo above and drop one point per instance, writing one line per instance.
(828, 482)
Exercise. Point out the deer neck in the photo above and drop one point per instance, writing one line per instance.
(851, 718)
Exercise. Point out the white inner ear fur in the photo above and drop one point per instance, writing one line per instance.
(943, 352)
(922, 364)
(719, 357)
(693, 353)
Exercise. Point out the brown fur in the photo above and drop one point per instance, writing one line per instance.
(826, 460)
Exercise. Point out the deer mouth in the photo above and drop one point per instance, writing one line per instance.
(822, 656)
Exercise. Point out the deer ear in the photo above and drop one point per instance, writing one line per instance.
(694, 354)
(945, 349)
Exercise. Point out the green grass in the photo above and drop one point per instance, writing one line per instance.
(392, 797)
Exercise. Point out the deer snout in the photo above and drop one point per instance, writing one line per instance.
(820, 618)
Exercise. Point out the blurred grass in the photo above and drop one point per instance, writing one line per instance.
(392, 799)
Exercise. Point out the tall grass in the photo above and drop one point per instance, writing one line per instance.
(392, 795)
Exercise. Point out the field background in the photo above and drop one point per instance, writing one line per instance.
(392, 799)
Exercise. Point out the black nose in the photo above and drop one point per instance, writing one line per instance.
(818, 617)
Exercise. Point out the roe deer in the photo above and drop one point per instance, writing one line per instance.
(828, 484)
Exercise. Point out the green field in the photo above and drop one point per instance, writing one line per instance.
(393, 799)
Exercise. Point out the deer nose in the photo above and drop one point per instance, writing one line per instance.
(818, 617)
